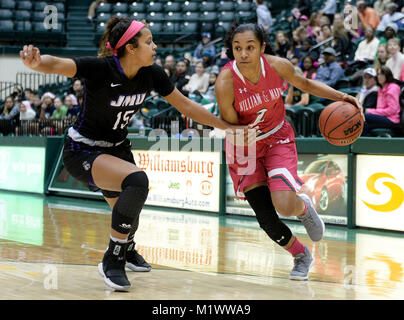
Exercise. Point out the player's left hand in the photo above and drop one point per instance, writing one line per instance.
(241, 135)
(355, 102)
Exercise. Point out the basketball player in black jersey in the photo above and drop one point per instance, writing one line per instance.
(96, 150)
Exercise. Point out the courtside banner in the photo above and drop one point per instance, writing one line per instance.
(380, 192)
(325, 179)
(187, 180)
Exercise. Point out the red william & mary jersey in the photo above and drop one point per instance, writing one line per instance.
(259, 104)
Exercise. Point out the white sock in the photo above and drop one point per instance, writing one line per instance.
(118, 240)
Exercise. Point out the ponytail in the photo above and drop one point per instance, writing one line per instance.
(104, 51)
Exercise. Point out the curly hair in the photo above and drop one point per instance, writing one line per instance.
(258, 31)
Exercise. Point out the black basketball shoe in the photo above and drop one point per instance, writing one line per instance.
(112, 267)
(134, 261)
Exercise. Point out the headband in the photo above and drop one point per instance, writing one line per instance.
(133, 29)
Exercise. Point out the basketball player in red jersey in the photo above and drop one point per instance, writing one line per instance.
(249, 91)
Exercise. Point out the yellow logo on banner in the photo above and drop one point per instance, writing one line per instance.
(397, 194)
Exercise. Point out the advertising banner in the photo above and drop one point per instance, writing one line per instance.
(21, 218)
(325, 182)
(22, 169)
(380, 192)
(188, 180)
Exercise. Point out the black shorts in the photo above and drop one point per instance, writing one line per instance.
(78, 160)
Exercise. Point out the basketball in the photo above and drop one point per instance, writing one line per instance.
(341, 123)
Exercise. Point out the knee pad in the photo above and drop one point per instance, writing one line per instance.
(260, 201)
(125, 213)
(135, 188)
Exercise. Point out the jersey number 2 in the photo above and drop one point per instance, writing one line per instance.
(125, 119)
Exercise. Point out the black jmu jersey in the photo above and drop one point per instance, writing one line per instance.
(111, 99)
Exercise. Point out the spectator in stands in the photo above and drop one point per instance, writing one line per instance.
(222, 59)
(304, 7)
(341, 43)
(329, 9)
(282, 44)
(396, 59)
(314, 28)
(26, 112)
(367, 49)
(391, 16)
(380, 6)
(325, 34)
(73, 108)
(330, 72)
(210, 93)
(36, 103)
(60, 109)
(387, 111)
(368, 94)
(306, 49)
(77, 86)
(296, 97)
(203, 47)
(389, 33)
(208, 64)
(17, 94)
(10, 110)
(295, 45)
(309, 65)
(27, 93)
(180, 77)
(199, 81)
(169, 64)
(368, 16)
(264, 17)
(47, 106)
(159, 62)
(382, 56)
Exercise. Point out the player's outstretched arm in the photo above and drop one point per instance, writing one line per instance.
(286, 71)
(194, 111)
(32, 58)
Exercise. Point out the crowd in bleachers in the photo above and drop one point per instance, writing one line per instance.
(353, 46)
(29, 112)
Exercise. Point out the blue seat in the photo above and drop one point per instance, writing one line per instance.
(38, 16)
(173, 7)
(225, 6)
(6, 14)
(189, 27)
(244, 6)
(6, 25)
(60, 6)
(191, 16)
(155, 27)
(137, 7)
(23, 26)
(104, 7)
(40, 6)
(155, 7)
(103, 17)
(191, 6)
(139, 16)
(226, 16)
(209, 16)
(173, 16)
(120, 7)
(155, 17)
(208, 6)
(24, 5)
(22, 15)
(7, 4)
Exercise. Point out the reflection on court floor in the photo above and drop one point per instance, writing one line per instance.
(50, 246)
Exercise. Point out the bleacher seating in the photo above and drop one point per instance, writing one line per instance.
(19, 21)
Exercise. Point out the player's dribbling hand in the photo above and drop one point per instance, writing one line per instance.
(241, 135)
(30, 56)
(355, 102)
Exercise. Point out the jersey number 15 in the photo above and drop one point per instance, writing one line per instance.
(125, 119)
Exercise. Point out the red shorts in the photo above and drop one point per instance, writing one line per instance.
(273, 160)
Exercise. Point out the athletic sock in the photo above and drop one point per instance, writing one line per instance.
(296, 248)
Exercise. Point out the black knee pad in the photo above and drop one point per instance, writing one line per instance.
(261, 202)
(125, 213)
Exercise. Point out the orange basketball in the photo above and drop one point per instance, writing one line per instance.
(341, 123)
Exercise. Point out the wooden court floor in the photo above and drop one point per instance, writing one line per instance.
(50, 247)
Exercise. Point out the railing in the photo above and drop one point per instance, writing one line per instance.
(6, 88)
(47, 127)
(33, 80)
